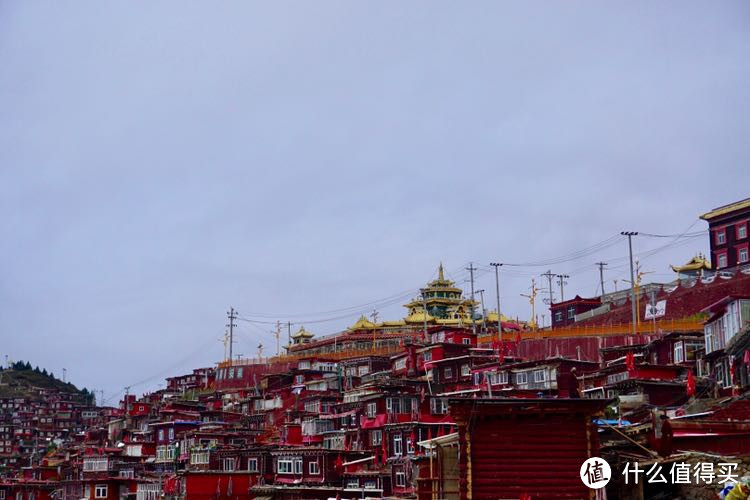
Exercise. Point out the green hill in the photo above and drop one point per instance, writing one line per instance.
(21, 380)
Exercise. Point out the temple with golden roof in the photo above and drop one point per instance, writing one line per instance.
(695, 267)
(439, 303)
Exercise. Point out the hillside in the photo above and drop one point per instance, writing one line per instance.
(15, 382)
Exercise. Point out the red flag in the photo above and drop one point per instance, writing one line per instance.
(630, 361)
(339, 463)
(690, 384)
(413, 438)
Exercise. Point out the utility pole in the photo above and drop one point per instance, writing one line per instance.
(496, 265)
(471, 270)
(278, 336)
(423, 292)
(484, 311)
(549, 275)
(65, 371)
(601, 275)
(561, 281)
(630, 235)
(232, 315)
(289, 333)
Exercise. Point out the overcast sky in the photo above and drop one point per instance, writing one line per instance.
(161, 162)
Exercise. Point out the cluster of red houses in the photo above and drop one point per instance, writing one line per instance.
(449, 413)
(426, 407)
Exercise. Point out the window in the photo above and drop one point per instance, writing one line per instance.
(742, 230)
(376, 437)
(393, 405)
(679, 354)
(558, 316)
(127, 473)
(438, 406)
(400, 479)
(161, 434)
(722, 260)
(409, 446)
(199, 457)
(721, 237)
(239, 372)
(539, 376)
(427, 356)
(571, 312)
(466, 341)
(314, 468)
(298, 466)
(97, 464)
(370, 484)
(742, 254)
(397, 445)
(352, 483)
(722, 374)
(465, 370)
(521, 378)
(448, 372)
(372, 410)
(100, 491)
(231, 373)
(171, 433)
(284, 466)
(228, 464)
(252, 465)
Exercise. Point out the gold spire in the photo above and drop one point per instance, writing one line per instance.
(441, 276)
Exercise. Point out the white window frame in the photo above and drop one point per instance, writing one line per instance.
(398, 447)
(229, 464)
(540, 376)
(314, 468)
(721, 236)
(400, 479)
(376, 437)
(298, 466)
(410, 446)
(522, 378)
(285, 466)
(466, 341)
(100, 491)
(678, 352)
(742, 230)
(447, 372)
(252, 464)
(372, 409)
(722, 260)
(465, 370)
(742, 255)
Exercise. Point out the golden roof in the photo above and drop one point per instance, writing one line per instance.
(363, 324)
(396, 322)
(695, 264)
(302, 333)
(716, 212)
(419, 317)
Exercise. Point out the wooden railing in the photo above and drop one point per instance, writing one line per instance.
(339, 355)
(646, 327)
